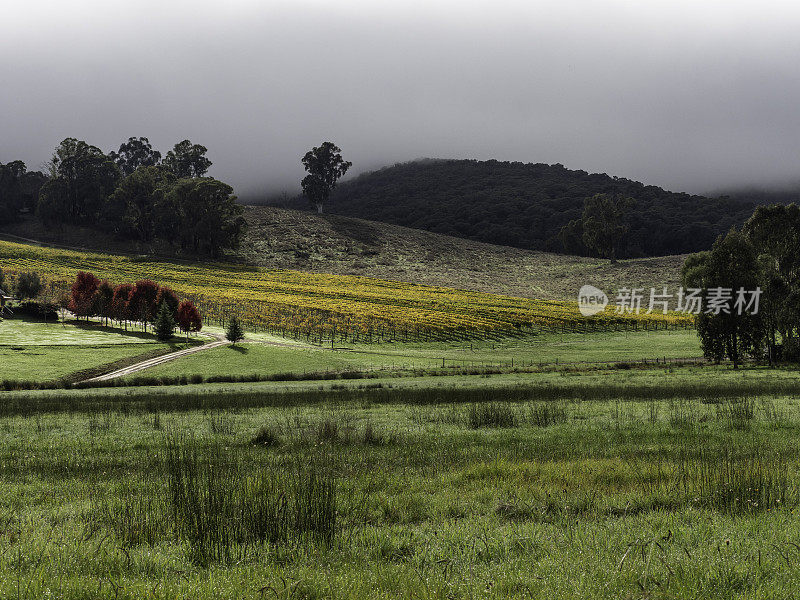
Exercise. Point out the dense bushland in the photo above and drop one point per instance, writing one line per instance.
(527, 205)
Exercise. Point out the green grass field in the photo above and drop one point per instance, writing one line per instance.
(23, 332)
(35, 351)
(547, 349)
(472, 498)
(47, 351)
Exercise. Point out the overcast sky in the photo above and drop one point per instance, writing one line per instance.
(689, 95)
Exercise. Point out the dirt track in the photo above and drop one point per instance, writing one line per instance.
(146, 364)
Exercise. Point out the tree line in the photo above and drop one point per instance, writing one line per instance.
(131, 192)
(144, 302)
(19, 190)
(764, 254)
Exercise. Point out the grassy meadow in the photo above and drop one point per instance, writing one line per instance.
(583, 474)
(42, 352)
(387, 493)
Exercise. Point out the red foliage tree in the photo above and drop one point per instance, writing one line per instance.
(165, 294)
(120, 304)
(82, 294)
(143, 304)
(189, 318)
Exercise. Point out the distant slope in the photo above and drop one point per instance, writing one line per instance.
(314, 306)
(526, 205)
(786, 195)
(290, 239)
(281, 238)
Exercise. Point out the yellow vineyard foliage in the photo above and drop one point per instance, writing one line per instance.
(320, 305)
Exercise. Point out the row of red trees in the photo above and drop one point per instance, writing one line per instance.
(139, 302)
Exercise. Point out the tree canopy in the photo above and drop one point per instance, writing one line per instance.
(726, 330)
(145, 302)
(82, 178)
(325, 166)
(234, 333)
(764, 255)
(131, 193)
(203, 216)
(187, 160)
(28, 285)
(135, 153)
(134, 206)
(604, 223)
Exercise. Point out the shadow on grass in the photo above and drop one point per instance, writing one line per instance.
(240, 349)
(94, 326)
(87, 326)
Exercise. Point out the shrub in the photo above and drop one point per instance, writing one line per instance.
(37, 310)
(29, 285)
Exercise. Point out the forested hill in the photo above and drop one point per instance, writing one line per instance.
(526, 205)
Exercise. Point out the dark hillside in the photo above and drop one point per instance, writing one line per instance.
(526, 205)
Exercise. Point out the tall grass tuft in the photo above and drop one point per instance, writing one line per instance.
(683, 415)
(491, 414)
(136, 515)
(545, 414)
(220, 423)
(735, 480)
(328, 430)
(737, 413)
(224, 512)
(266, 436)
(774, 415)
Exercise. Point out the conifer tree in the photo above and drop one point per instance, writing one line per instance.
(235, 333)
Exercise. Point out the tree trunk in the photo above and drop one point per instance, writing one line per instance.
(319, 208)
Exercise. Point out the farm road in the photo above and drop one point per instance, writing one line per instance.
(146, 364)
